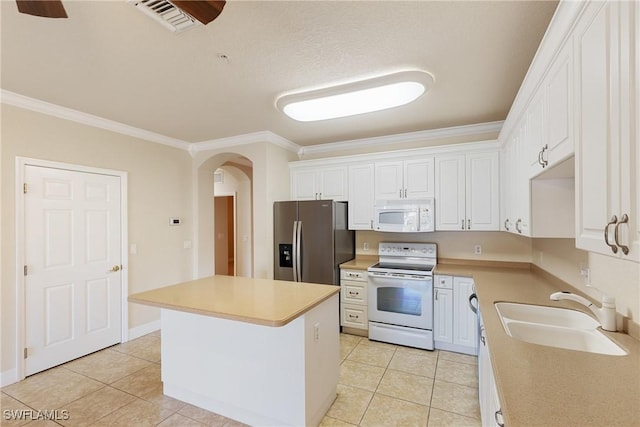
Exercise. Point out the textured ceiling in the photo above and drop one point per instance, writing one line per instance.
(110, 60)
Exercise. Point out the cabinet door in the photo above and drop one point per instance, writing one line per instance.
(333, 184)
(388, 180)
(450, 192)
(483, 191)
(536, 135)
(361, 198)
(465, 327)
(522, 189)
(418, 178)
(559, 108)
(443, 315)
(304, 184)
(597, 131)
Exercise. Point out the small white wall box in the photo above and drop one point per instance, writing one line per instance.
(175, 221)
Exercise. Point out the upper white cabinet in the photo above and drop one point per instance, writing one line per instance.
(606, 127)
(361, 196)
(404, 179)
(467, 191)
(328, 183)
(516, 190)
(549, 131)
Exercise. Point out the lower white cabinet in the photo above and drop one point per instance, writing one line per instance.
(490, 408)
(455, 326)
(353, 299)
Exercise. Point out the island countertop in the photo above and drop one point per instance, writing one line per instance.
(258, 301)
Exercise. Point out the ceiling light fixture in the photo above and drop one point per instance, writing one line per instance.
(364, 96)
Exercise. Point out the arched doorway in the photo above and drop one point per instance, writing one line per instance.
(225, 211)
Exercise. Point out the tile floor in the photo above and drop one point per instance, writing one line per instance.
(380, 385)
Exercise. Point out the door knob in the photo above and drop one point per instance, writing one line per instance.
(115, 268)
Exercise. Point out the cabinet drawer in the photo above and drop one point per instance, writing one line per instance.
(443, 282)
(354, 316)
(358, 275)
(353, 292)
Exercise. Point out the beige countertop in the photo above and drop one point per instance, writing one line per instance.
(546, 386)
(360, 262)
(260, 301)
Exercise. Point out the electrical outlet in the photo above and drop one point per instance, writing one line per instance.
(365, 246)
(316, 332)
(585, 272)
(477, 249)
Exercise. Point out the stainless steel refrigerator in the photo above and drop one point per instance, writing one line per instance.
(311, 240)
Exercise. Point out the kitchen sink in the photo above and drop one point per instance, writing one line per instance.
(555, 327)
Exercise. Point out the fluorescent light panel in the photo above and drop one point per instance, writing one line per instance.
(360, 97)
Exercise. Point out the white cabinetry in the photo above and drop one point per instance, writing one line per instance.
(467, 191)
(490, 409)
(455, 326)
(549, 116)
(353, 299)
(516, 189)
(404, 179)
(606, 121)
(327, 183)
(361, 196)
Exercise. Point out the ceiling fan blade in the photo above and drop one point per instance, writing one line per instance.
(44, 8)
(204, 11)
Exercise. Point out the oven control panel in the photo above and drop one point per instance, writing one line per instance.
(413, 250)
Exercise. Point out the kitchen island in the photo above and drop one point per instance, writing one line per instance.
(263, 352)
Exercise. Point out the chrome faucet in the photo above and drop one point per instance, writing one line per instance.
(606, 315)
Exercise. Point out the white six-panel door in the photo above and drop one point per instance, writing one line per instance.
(73, 265)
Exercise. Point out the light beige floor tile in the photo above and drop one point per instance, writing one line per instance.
(439, 418)
(52, 389)
(177, 420)
(234, 423)
(14, 413)
(107, 365)
(459, 373)
(378, 344)
(92, 407)
(360, 375)
(146, 347)
(333, 422)
(347, 344)
(458, 357)
(159, 398)
(202, 415)
(417, 362)
(389, 411)
(139, 413)
(350, 339)
(401, 385)
(456, 398)
(140, 383)
(372, 354)
(350, 404)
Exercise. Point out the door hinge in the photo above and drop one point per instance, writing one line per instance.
(25, 352)
(25, 270)
(24, 188)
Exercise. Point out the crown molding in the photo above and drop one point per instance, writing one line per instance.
(403, 138)
(247, 138)
(21, 101)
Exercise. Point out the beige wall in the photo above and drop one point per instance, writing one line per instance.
(159, 187)
(496, 246)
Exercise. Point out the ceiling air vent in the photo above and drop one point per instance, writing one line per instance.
(166, 13)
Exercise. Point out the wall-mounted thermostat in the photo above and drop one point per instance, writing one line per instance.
(175, 221)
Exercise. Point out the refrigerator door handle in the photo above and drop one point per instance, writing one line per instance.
(294, 251)
(298, 258)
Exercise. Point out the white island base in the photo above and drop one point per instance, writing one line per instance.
(255, 374)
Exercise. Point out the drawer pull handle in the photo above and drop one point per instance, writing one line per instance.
(354, 294)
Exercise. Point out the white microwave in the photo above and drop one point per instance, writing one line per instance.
(404, 216)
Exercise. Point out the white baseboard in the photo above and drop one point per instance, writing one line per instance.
(145, 329)
(8, 377)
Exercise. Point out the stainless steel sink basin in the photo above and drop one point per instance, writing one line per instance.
(555, 327)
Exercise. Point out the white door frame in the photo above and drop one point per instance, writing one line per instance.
(21, 162)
